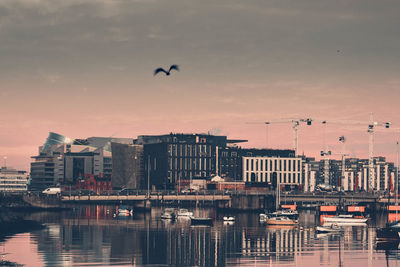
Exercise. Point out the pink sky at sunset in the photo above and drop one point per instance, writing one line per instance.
(85, 68)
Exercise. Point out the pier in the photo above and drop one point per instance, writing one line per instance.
(235, 201)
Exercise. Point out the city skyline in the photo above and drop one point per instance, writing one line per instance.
(85, 68)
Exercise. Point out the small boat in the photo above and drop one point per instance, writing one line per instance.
(291, 214)
(168, 214)
(333, 228)
(201, 220)
(263, 217)
(123, 211)
(389, 233)
(229, 218)
(279, 227)
(184, 213)
(281, 221)
(387, 245)
(346, 218)
(395, 224)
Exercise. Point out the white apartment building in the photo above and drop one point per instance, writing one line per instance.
(260, 169)
(12, 180)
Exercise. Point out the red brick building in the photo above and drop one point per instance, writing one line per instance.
(95, 183)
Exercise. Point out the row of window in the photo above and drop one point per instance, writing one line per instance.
(285, 178)
(2, 178)
(190, 164)
(13, 182)
(185, 150)
(273, 165)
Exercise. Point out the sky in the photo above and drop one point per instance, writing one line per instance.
(84, 68)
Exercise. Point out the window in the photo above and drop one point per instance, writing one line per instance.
(253, 177)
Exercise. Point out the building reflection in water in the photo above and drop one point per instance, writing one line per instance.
(92, 237)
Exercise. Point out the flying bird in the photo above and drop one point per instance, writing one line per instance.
(173, 67)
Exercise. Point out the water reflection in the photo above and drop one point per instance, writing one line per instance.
(91, 236)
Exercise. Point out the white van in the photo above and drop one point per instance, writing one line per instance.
(52, 191)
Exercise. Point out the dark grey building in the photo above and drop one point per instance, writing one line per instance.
(181, 156)
(176, 157)
(128, 168)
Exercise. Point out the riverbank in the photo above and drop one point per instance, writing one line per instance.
(9, 263)
(12, 223)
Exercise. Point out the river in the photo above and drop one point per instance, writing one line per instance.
(91, 236)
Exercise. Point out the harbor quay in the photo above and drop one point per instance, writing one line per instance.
(235, 201)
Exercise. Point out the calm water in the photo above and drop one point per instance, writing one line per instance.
(90, 236)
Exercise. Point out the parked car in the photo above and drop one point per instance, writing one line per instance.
(228, 192)
(189, 191)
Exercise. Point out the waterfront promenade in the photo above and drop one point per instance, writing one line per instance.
(240, 200)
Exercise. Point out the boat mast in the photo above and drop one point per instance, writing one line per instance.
(397, 176)
(278, 197)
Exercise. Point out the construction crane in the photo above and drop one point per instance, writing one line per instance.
(371, 129)
(295, 125)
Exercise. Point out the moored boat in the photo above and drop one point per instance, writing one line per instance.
(388, 234)
(333, 228)
(168, 214)
(184, 213)
(263, 217)
(344, 219)
(291, 214)
(123, 211)
(281, 221)
(229, 218)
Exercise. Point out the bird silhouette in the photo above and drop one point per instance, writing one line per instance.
(173, 67)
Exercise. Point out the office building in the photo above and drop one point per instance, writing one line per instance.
(62, 160)
(12, 180)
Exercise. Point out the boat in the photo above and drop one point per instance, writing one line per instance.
(387, 234)
(391, 232)
(279, 227)
(344, 218)
(281, 221)
(168, 214)
(263, 217)
(229, 218)
(123, 211)
(184, 213)
(333, 228)
(395, 224)
(201, 220)
(291, 214)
